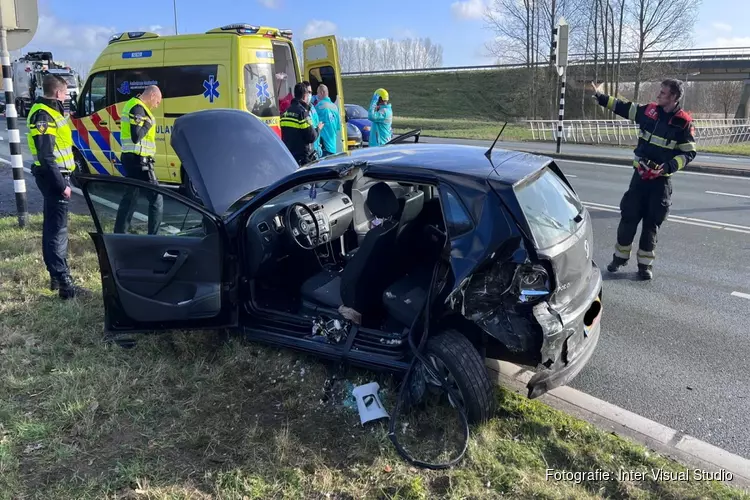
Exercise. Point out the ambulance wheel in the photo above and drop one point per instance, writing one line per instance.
(82, 167)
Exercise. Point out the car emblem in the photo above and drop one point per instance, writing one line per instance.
(586, 247)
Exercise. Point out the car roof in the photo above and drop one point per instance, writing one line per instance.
(509, 167)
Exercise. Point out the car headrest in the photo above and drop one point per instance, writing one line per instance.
(382, 201)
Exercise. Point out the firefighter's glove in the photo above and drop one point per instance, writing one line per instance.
(652, 173)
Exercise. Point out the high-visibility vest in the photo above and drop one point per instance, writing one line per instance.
(147, 145)
(60, 130)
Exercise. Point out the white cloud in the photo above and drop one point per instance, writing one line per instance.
(722, 27)
(470, 9)
(735, 41)
(271, 4)
(317, 28)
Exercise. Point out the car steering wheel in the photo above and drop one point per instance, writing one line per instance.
(300, 230)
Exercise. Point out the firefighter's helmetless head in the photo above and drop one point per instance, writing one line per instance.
(670, 94)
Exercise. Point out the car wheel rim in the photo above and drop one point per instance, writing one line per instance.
(444, 373)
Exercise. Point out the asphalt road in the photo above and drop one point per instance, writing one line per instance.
(673, 349)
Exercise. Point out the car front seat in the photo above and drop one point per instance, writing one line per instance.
(372, 268)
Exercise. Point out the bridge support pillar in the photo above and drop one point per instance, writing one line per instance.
(743, 110)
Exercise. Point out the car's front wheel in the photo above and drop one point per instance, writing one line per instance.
(454, 358)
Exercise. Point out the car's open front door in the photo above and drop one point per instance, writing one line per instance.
(173, 276)
(321, 56)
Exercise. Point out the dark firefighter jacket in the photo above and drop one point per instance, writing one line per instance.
(664, 138)
(298, 133)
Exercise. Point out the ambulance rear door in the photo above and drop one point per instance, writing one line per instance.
(321, 58)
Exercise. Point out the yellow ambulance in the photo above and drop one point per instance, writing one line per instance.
(241, 66)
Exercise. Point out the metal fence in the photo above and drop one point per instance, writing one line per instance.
(708, 132)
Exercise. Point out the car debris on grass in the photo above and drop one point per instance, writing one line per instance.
(203, 416)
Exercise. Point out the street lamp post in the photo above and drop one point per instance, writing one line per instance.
(174, 9)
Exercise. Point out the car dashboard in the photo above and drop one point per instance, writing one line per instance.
(333, 210)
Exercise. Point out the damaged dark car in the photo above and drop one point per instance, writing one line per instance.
(338, 258)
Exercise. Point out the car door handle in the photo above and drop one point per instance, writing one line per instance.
(102, 123)
(170, 255)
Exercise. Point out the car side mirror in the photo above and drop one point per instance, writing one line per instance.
(73, 107)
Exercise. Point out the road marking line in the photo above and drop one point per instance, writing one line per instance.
(741, 295)
(682, 220)
(729, 194)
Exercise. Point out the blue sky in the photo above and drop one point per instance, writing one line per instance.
(76, 30)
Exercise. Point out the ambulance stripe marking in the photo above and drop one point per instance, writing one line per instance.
(103, 130)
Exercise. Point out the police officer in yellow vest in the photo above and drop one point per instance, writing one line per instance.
(51, 143)
(138, 137)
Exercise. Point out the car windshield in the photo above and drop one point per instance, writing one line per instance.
(356, 112)
(260, 95)
(551, 208)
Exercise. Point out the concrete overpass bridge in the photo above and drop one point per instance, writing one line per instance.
(709, 64)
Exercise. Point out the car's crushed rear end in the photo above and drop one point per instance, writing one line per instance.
(538, 296)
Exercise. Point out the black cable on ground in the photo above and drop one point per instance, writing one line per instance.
(419, 357)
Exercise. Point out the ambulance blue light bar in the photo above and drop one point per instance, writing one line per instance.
(240, 28)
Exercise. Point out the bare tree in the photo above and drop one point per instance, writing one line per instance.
(658, 25)
(727, 95)
(363, 54)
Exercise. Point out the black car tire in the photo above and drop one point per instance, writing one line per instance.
(82, 167)
(465, 365)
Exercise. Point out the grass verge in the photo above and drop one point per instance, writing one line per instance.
(741, 149)
(200, 416)
(461, 128)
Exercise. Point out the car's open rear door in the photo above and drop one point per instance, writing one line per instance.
(321, 57)
(173, 276)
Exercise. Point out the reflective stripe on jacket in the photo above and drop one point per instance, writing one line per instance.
(58, 129)
(147, 145)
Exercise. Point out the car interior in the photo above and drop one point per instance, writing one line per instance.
(363, 248)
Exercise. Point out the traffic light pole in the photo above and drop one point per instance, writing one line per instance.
(14, 137)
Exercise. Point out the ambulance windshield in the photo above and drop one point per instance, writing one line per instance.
(260, 90)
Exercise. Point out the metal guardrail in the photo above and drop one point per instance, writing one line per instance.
(708, 132)
(663, 56)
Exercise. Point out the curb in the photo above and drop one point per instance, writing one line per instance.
(608, 417)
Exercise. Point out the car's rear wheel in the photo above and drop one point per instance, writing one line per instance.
(454, 358)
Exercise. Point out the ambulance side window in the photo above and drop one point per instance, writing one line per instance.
(131, 82)
(95, 97)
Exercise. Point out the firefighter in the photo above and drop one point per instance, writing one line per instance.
(138, 137)
(51, 143)
(297, 130)
(381, 116)
(665, 146)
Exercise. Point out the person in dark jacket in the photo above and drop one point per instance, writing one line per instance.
(297, 129)
(666, 144)
(50, 141)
